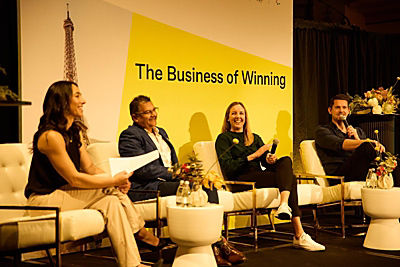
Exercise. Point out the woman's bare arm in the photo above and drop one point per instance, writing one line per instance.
(52, 144)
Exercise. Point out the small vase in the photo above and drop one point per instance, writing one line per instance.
(371, 180)
(385, 181)
(198, 197)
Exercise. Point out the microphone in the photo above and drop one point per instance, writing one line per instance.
(346, 124)
(343, 118)
(275, 143)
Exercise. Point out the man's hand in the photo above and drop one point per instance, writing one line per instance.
(351, 132)
(379, 147)
(271, 158)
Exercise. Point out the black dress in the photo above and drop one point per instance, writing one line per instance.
(43, 178)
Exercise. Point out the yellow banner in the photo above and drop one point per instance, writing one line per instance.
(193, 80)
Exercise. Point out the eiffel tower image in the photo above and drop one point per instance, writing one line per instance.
(70, 73)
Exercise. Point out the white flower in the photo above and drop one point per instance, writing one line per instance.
(388, 108)
(373, 102)
(377, 109)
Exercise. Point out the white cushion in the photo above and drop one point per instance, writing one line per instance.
(311, 162)
(27, 231)
(265, 197)
(147, 208)
(352, 191)
(309, 194)
(205, 151)
(270, 198)
(101, 152)
(225, 198)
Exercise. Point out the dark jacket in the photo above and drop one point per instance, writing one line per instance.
(135, 141)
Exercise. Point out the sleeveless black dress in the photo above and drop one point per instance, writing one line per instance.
(43, 178)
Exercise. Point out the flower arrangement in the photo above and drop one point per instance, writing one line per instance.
(385, 163)
(5, 93)
(193, 172)
(376, 100)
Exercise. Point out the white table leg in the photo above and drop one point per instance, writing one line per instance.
(194, 257)
(383, 234)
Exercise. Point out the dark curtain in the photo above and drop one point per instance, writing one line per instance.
(9, 116)
(330, 59)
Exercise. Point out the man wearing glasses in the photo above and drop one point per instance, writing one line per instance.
(143, 137)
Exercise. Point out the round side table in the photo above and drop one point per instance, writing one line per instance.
(383, 206)
(194, 229)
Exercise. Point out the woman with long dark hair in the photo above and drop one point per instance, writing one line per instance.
(250, 160)
(62, 174)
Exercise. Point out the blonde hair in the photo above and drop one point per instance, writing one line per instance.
(226, 125)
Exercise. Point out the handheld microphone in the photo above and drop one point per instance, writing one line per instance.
(343, 118)
(275, 143)
(346, 124)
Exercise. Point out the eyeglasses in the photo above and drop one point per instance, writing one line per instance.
(148, 112)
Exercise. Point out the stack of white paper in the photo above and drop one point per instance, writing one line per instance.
(132, 163)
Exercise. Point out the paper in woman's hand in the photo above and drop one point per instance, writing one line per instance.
(131, 163)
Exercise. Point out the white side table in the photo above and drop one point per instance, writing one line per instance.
(383, 206)
(194, 229)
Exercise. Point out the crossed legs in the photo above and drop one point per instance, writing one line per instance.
(122, 218)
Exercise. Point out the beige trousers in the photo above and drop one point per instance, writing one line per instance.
(121, 216)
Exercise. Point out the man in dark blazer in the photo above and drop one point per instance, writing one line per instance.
(143, 137)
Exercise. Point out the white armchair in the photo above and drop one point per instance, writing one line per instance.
(343, 194)
(153, 211)
(254, 202)
(20, 233)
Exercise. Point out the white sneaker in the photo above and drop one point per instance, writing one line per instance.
(305, 242)
(284, 212)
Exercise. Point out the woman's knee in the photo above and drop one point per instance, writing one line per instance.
(284, 161)
(109, 203)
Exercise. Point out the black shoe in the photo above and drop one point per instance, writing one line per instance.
(161, 244)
